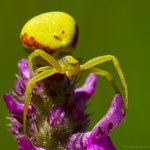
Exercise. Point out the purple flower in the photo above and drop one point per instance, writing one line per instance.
(26, 144)
(56, 115)
(15, 108)
(23, 69)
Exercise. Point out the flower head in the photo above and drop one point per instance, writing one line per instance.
(56, 115)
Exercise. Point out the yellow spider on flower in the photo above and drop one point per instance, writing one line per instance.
(50, 39)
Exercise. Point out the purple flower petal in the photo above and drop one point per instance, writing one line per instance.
(82, 94)
(23, 69)
(14, 107)
(34, 127)
(16, 126)
(26, 144)
(20, 88)
(88, 88)
(78, 141)
(79, 108)
(110, 120)
(56, 116)
(101, 143)
(24, 77)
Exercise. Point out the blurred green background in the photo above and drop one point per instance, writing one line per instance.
(117, 27)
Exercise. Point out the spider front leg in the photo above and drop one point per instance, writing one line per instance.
(102, 59)
(41, 69)
(29, 89)
(45, 56)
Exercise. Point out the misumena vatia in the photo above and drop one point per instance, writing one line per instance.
(52, 36)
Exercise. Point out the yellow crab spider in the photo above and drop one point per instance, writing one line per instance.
(51, 38)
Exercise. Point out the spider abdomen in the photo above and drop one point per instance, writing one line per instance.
(52, 32)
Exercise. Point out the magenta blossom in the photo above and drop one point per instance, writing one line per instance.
(56, 115)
